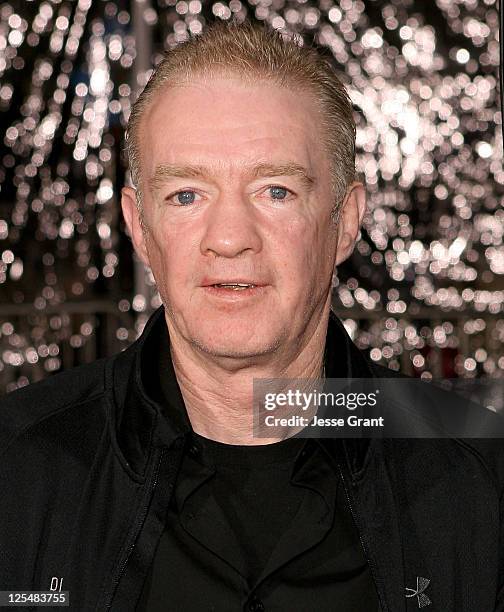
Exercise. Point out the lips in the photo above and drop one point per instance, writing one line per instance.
(234, 289)
(232, 283)
(234, 286)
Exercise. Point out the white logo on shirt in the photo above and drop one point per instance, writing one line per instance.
(421, 585)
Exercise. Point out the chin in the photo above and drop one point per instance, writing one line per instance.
(235, 343)
(233, 352)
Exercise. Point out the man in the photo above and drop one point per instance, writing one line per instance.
(136, 481)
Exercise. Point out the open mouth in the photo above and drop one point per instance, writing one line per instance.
(233, 286)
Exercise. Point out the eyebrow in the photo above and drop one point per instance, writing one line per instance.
(164, 172)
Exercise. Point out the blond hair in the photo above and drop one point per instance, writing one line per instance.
(254, 51)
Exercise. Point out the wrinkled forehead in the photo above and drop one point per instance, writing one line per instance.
(229, 122)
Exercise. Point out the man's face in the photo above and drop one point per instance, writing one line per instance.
(236, 188)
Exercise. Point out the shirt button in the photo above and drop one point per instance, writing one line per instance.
(256, 605)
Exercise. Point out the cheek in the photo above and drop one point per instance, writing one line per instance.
(168, 260)
(301, 246)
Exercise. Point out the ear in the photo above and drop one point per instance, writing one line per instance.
(133, 223)
(350, 220)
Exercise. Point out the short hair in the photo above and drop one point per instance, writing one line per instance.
(254, 51)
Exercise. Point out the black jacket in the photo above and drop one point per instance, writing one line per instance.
(86, 474)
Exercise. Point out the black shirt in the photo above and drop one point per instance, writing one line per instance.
(260, 527)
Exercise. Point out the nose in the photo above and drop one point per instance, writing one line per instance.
(230, 227)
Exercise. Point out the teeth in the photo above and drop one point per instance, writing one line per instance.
(235, 286)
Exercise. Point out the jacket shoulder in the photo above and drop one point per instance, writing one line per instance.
(489, 452)
(27, 406)
(382, 372)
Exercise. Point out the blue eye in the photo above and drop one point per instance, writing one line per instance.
(278, 193)
(185, 197)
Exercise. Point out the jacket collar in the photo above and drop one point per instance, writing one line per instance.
(344, 360)
(142, 418)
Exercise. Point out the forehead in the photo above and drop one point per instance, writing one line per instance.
(228, 124)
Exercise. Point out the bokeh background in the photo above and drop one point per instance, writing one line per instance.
(424, 290)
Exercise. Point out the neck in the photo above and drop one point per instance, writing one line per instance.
(219, 399)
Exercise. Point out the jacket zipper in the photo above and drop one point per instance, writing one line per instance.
(364, 547)
(138, 525)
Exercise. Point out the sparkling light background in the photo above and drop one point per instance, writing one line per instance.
(424, 290)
